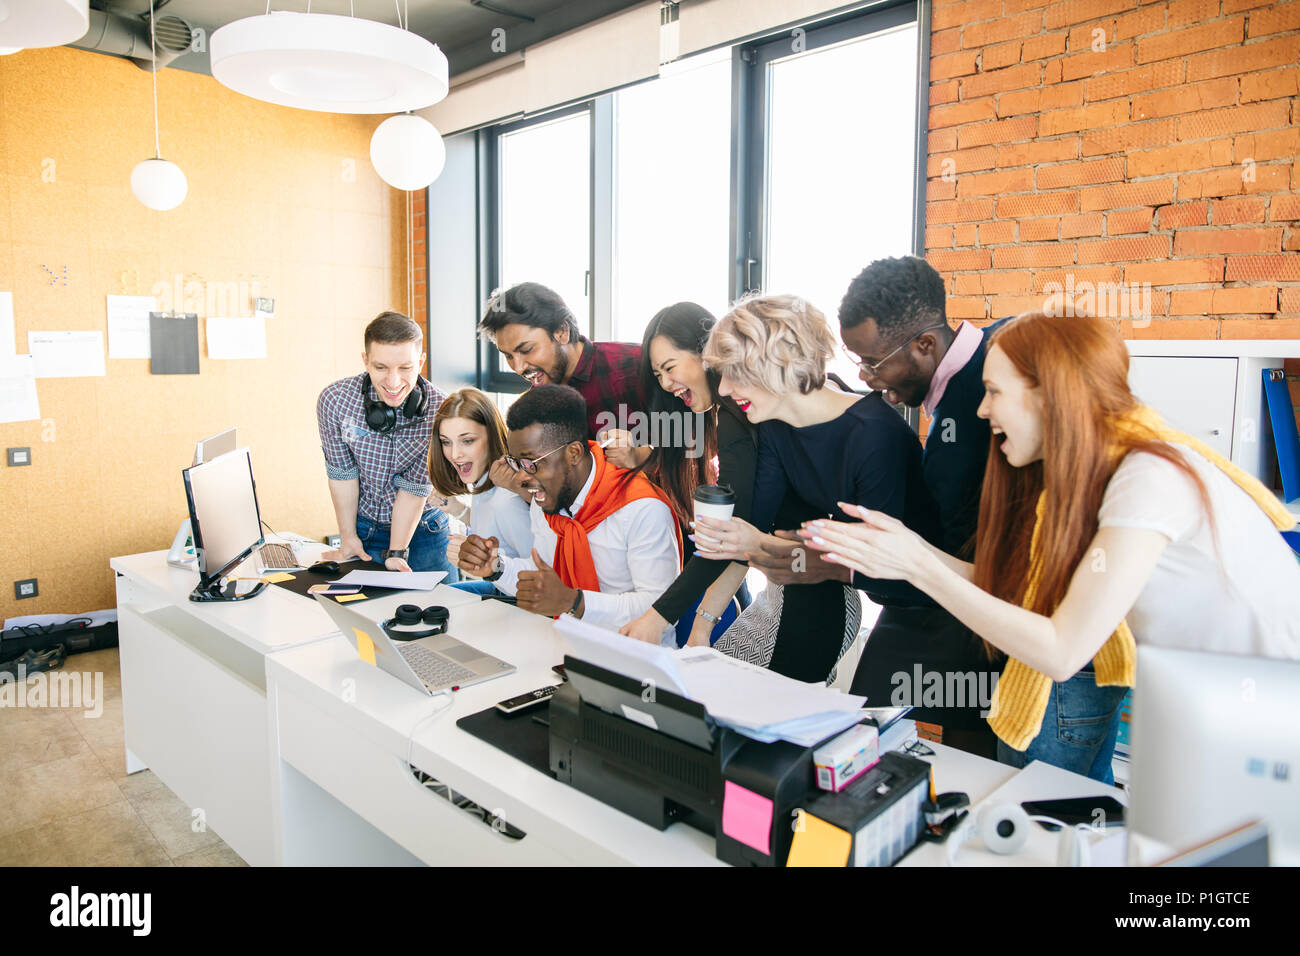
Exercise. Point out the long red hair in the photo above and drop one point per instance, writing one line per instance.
(1080, 364)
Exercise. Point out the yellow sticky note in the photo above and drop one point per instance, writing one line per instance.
(345, 598)
(277, 578)
(818, 843)
(365, 646)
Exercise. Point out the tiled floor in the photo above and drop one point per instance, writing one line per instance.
(66, 799)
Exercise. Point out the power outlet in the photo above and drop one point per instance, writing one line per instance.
(19, 456)
(334, 540)
(25, 589)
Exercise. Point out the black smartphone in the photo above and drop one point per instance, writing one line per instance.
(1094, 811)
(524, 701)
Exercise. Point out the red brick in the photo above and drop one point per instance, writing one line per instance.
(955, 114)
(941, 140)
(1004, 28)
(1085, 224)
(1108, 113)
(963, 235)
(1075, 277)
(1284, 207)
(1292, 241)
(1000, 81)
(945, 41)
(1125, 249)
(945, 92)
(1244, 59)
(1236, 6)
(1208, 95)
(1223, 301)
(1043, 151)
(999, 131)
(1005, 283)
(1042, 46)
(1020, 6)
(1131, 136)
(1001, 305)
(968, 11)
(1062, 95)
(1278, 144)
(1041, 255)
(1037, 204)
(1280, 18)
(994, 184)
(954, 64)
(1155, 76)
(1234, 119)
(1000, 55)
(974, 211)
(940, 189)
(1166, 46)
(997, 233)
(1153, 192)
(1184, 13)
(1283, 268)
(960, 307)
(1218, 182)
(963, 161)
(1040, 230)
(938, 236)
(1086, 36)
(1270, 85)
(1268, 178)
(1181, 158)
(1231, 212)
(1078, 11)
(1113, 58)
(1289, 302)
(1176, 271)
(1147, 20)
(951, 260)
(1184, 214)
(1019, 102)
(1200, 242)
(1079, 174)
(1260, 329)
(1128, 221)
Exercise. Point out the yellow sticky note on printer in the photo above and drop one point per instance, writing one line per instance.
(277, 578)
(366, 647)
(818, 843)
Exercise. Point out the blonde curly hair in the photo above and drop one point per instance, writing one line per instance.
(780, 343)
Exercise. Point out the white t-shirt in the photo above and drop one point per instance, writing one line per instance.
(1244, 600)
(500, 513)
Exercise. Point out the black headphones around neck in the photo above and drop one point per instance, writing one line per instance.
(410, 615)
(382, 417)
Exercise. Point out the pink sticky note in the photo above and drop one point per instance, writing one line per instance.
(746, 816)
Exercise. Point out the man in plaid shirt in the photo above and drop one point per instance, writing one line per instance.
(374, 431)
(538, 337)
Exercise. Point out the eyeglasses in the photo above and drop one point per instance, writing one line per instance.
(873, 368)
(529, 465)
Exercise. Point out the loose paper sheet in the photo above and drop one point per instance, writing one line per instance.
(236, 338)
(18, 390)
(128, 325)
(8, 348)
(67, 354)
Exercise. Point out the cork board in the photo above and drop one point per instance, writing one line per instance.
(281, 203)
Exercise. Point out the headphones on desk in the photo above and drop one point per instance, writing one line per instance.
(410, 615)
(382, 417)
(1003, 829)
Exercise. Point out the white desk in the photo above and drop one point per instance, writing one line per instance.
(194, 690)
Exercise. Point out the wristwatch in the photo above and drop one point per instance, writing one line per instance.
(576, 602)
(498, 569)
(402, 553)
(700, 612)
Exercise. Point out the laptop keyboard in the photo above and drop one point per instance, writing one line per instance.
(434, 669)
(277, 556)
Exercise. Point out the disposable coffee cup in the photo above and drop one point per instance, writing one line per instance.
(712, 501)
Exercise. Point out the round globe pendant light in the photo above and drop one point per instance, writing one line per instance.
(33, 23)
(333, 64)
(157, 183)
(407, 152)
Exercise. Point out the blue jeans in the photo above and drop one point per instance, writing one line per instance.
(1079, 729)
(428, 547)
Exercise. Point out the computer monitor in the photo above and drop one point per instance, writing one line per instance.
(226, 523)
(211, 447)
(1214, 745)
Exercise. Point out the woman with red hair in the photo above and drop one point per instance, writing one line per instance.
(1098, 524)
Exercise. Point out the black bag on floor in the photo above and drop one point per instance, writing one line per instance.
(76, 636)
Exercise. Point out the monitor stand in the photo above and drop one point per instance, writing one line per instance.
(215, 592)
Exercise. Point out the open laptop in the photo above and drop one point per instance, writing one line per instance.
(430, 664)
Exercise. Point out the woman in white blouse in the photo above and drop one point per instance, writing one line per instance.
(469, 440)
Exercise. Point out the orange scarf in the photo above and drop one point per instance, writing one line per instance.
(610, 491)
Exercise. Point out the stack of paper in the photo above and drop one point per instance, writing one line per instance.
(756, 702)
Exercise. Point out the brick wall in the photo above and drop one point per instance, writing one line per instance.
(1133, 147)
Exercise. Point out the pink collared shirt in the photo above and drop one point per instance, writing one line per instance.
(963, 348)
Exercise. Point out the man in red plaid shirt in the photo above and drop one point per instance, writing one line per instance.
(538, 337)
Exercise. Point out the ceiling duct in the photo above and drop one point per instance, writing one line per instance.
(124, 36)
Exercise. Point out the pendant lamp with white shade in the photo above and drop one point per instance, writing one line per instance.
(407, 152)
(36, 23)
(157, 183)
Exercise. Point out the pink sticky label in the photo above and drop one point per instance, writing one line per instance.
(746, 817)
